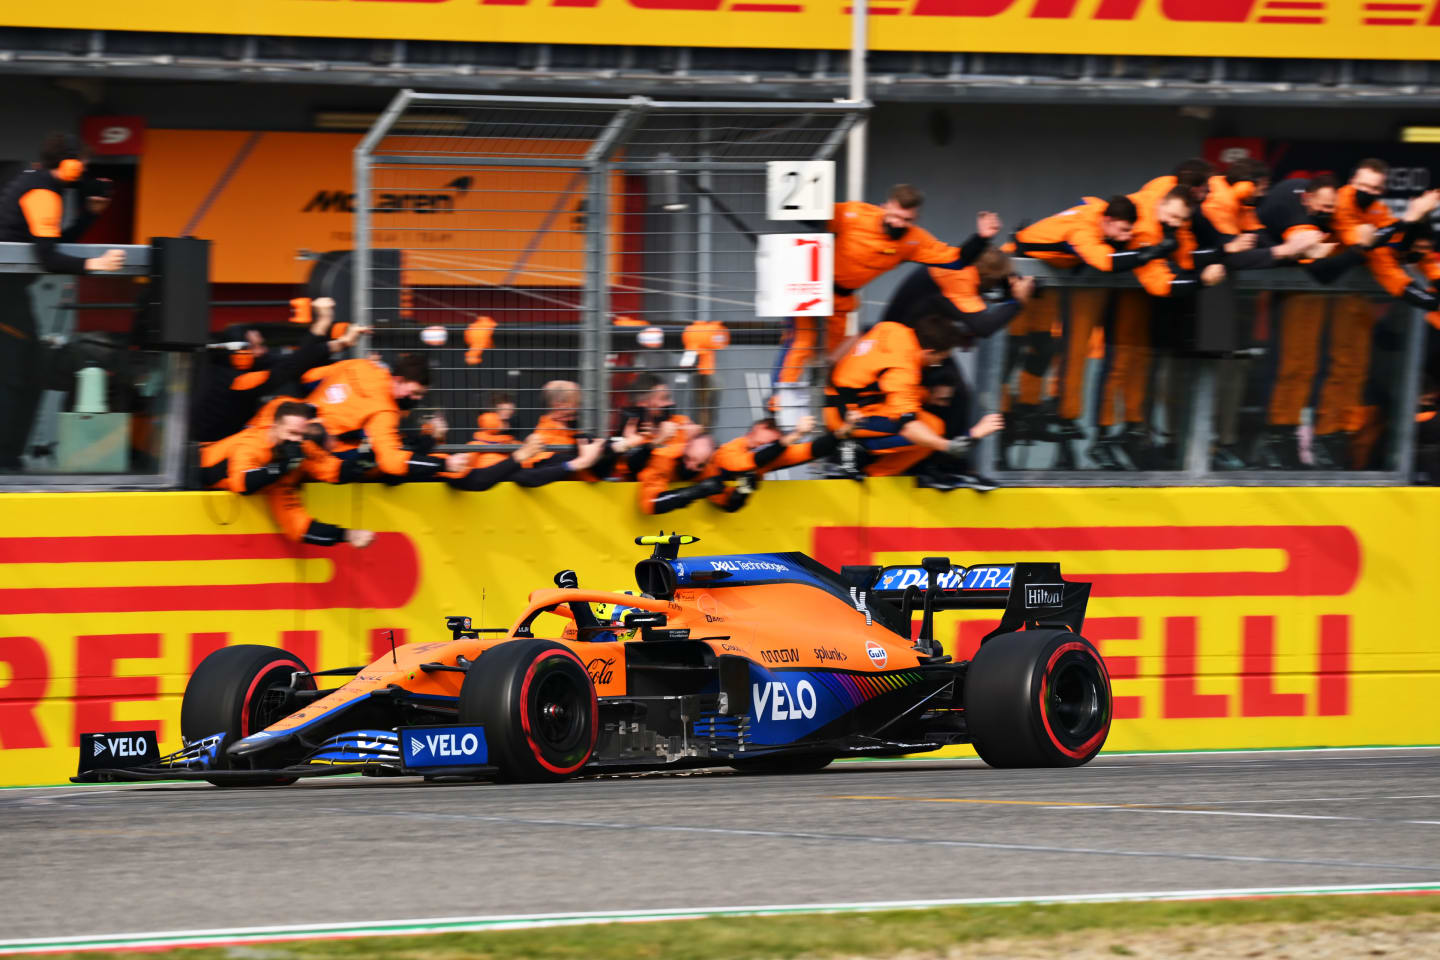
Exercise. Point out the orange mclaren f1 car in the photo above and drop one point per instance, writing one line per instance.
(762, 662)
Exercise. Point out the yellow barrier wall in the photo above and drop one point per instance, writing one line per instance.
(1229, 617)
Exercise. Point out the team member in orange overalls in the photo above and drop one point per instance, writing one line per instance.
(705, 338)
(1171, 277)
(1098, 234)
(1363, 222)
(880, 377)
(475, 472)
(32, 210)
(592, 460)
(870, 241)
(277, 458)
(682, 455)
(980, 300)
(359, 402)
(763, 449)
(1295, 207)
(653, 410)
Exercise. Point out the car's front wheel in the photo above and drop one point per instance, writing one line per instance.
(1037, 698)
(238, 691)
(538, 707)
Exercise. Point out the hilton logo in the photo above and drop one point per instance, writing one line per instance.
(1044, 595)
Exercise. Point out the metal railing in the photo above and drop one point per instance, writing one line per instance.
(1204, 376)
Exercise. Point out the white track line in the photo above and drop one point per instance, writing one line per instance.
(1128, 808)
(315, 931)
(862, 839)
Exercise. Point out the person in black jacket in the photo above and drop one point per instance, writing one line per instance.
(33, 210)
(230, 396)
(979, 300)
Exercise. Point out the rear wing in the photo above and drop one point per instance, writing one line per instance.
(1032, 595)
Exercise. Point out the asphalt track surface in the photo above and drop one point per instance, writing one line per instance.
(133, 858)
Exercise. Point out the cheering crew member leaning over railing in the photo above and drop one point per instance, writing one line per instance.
(234, 393)
(481, 471)
(275, 459)
(1099, 234)
(980, 300)
(880, 378)
(1299, 206)
(728, 476)
(675, 455)
(741, 462)
(359, 403)
(869, 241)
(32, 210)
(1362, 222)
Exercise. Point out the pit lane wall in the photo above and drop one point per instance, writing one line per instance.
(1230, 618)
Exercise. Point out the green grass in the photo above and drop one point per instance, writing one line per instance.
(878, 935)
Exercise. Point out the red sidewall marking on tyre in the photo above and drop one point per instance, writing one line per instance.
(1099, 737)
(264, 672)
(525, 712)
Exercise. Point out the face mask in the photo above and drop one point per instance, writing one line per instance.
(895, 233)
(1364, 199)
(684, 472)
(1414, 256)
(1251, 201)
(1321, 220)
(408, 403)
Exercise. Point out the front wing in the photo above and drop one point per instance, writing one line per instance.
(368, 752)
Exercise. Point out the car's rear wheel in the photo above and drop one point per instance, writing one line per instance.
(238, 691)
(782, 764)
(538, 707)
(1037, 698)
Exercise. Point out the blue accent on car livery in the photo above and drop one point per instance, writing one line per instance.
(788, 705)
(743, 568)
(359, 746)
(259, 739)
(985, 577)
(429, 748)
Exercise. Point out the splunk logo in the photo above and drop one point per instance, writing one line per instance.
(439, 201)
(785, 701)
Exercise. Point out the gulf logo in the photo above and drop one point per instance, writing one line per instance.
(878, 655)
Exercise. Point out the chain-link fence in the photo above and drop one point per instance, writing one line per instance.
(517, 241)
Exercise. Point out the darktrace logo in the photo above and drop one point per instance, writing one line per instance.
(436, 201)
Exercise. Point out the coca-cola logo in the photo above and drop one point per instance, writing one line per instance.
(599, 669)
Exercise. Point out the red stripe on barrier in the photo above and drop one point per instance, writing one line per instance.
(384, 576)
(1321, 561)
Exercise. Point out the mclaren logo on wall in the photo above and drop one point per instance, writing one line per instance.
(438, 201)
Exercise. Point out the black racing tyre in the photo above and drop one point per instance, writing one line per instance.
(1037, 698)
(538, 707)
(781, 764)
(231, 692)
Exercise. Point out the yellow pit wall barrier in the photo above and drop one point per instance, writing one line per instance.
(1230, 618)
